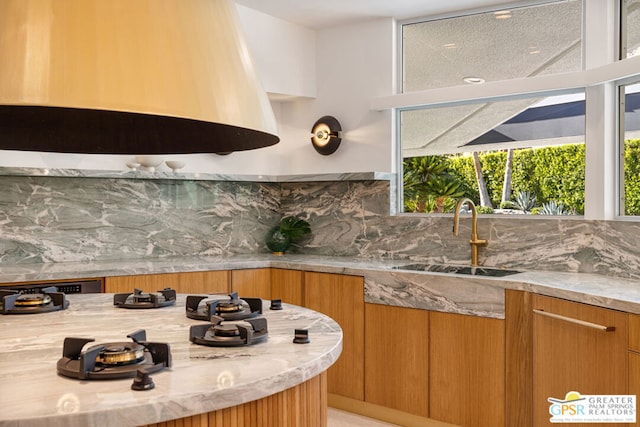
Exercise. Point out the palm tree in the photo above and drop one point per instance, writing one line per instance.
(485, 200)
(428, 186)
(508, 172)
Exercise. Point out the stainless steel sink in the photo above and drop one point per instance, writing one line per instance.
(457, 269)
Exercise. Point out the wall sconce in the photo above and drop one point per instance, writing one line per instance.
(326, 135)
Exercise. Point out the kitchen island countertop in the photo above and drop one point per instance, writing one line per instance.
(201, 379)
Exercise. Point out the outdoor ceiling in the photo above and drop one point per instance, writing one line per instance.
(522, 43)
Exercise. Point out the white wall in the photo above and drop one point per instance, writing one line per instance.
(283, 53)
(354, 64)
(344, 67)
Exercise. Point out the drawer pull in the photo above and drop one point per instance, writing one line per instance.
(576, 321)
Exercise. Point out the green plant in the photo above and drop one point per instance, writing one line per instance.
(484, 210)
(294, 227)
(632, 177)
(560, 174)
(524, 201)
(428, 186)
(507, 204)
(552, 208)
(290, 228)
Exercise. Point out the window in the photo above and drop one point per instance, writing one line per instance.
(629, 113)
(630, 147)
(531, 163)
(492, 46)
(534, 143)
(630, 29)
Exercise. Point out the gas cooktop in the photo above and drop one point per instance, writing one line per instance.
(221, 333)
(114, 360)
(139, 299)
(44, 301)
(202, 307)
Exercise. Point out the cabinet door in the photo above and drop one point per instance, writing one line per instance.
(396, 358)
(572, 356)
(341, 298)
(287, 285)
(634, 379)
(198, 282)
(634, 359)
(466, 369)
(252, 283)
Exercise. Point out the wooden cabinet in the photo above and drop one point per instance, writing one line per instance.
(518, 358)
(252, 283)
(397, 358)
(553, 347)
(466, 369)
(634, 379)
(571, 355)
(341, 298)
(198, 282)
(269, 283)
(288, 286)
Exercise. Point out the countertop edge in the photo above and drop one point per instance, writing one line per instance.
(605, 291)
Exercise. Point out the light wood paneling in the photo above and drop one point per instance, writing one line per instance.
(634, 332)
(252, 283)
(518, 359)
(572, 357)
(634, 378)
(466, 370)
(341, 297)
(287, 285)
(304, 405)
(197, 282)
(396, 358)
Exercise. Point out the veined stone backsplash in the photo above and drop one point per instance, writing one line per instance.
(92, 219)
(352, 219)
(56, 219)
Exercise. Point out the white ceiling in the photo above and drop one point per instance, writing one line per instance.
(327, 13)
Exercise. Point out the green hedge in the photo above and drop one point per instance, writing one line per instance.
(552, 174)
(632, 177)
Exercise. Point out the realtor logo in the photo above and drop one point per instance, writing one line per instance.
(577, 408)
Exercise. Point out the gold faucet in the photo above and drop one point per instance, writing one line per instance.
(474, 242)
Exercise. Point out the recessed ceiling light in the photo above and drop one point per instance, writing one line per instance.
(473, 80)
(502, 14)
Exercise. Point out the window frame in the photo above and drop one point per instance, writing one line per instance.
(599, 79)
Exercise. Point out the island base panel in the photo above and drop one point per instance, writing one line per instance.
(304, 405)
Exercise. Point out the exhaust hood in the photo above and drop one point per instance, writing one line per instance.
(129, 77)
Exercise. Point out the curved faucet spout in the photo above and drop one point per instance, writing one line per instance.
(474, 242)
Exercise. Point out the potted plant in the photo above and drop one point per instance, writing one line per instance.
(290, 228)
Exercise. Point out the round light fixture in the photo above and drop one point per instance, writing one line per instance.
(473, 80)
(326, 135)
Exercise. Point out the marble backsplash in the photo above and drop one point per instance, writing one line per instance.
(45, 219)
(352, 219)
(61, 219)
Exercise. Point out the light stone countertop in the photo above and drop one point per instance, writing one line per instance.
(473, 295)
(201, 379)
(192, 176)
